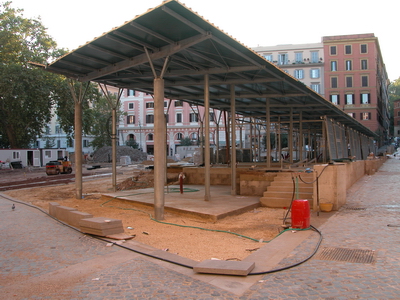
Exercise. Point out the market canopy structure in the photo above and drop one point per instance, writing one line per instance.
(172, 52)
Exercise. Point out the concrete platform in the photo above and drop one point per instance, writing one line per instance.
(191, 202)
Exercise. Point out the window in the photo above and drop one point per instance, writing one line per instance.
(347, 49)
(149, 104)
(334, 82)
(298, 57)
(268, 57)
(314, 73)
(131, 93)
(194, 136)
(179, 136)
(130, 106)
(352, 115)
(349, 99)
(212, 116)
(165, 104)
(364, 64)
(282, 59)
(363, 48)
(365, 116)
(178, 103)
(314, 56)
(85, 143)
(398, 113)
(58, 129)
(193, 117)
(167, 118)
(47, 130)
(130, 119)
(315, 87)
(299, 74)
(178, 118)
(335, 99)
(349, 81)
(150, 137)
(149, 119)
(365, 98)
(333, 65)
(47, 154)
(333, 50)
(364, 81)
(348, 65)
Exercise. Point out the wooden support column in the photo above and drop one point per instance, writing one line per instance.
(207, 167)
(114, 104)
(233, 143)
(78, 91)
(160, 148)
(301, 139)
(268, 132)
(251, 139)
(290, 137)
(78, 149)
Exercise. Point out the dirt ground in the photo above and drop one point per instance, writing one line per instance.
(261, 224)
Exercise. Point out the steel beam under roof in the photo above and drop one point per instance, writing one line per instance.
(195, 47)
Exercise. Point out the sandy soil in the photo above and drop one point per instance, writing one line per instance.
(262, 224)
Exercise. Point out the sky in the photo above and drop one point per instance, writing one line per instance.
(254, 23)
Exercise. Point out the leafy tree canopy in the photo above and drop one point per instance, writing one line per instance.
(394, 94)
(26, 93)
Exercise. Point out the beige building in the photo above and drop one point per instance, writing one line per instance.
(304, 62)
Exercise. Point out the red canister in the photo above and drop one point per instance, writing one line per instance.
(300, 214)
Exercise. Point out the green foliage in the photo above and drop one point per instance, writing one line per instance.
(186, 142)
(132, 143)
(102, 121)
(394, 94)
(26, 93)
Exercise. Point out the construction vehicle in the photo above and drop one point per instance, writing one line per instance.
(60, 166)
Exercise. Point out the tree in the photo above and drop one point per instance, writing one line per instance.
(394, 94)
(102, 121)
(26, 93)
(186, 142)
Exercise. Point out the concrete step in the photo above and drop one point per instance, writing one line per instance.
(279, 202)
(288, 195)
(285, 188)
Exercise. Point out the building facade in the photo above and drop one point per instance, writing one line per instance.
(183, 121)
(304, 62)
(356, 79)
(348, 70)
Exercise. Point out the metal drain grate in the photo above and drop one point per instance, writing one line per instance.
(356, 208)
(348, 255)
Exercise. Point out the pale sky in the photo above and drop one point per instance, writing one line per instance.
(72, 23)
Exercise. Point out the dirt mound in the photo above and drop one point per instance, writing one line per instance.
(104, 154)
(144, 179)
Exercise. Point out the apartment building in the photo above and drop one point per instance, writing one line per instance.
(304, 62)
(183, 121)
(347, 70)
(356, 79)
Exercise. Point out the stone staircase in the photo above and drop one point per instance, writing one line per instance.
(280, 192)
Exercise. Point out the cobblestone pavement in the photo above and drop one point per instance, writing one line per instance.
(42, 259)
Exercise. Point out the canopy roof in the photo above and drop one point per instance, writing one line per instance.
(189, 46)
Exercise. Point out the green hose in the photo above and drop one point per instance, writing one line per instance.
(193, 227)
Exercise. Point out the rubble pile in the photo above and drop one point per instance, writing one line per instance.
(104, 154)
(145, 179)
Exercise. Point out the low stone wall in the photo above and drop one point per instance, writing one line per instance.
(334, 180)
(255, 184)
